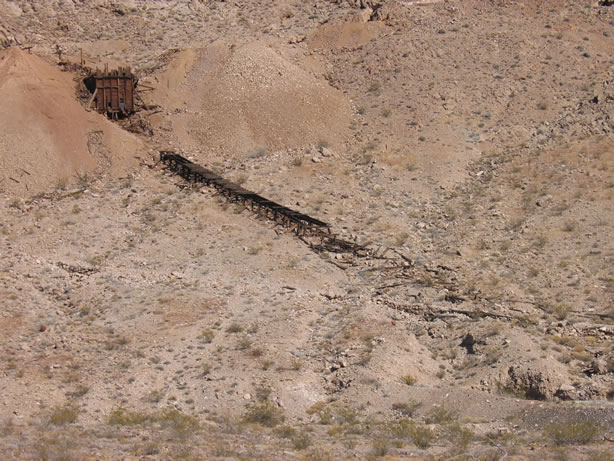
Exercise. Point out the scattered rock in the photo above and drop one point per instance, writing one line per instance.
(598, 367)
(364, 15)
(326, 152)
(532, 383)
(566, 392)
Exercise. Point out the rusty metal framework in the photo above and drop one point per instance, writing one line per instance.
(300, 224)
(114, 93)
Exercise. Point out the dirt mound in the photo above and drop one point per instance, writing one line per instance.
(239, 99)
(47, 136)
(345, 35)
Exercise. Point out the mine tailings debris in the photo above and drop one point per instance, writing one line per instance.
(314, 232)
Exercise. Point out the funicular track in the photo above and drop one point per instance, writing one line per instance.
(315, 233)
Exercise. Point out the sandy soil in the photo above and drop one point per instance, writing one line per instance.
(468, 145)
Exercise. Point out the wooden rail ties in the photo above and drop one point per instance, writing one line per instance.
(300, 224)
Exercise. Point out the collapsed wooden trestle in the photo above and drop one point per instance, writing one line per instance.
(301, 224)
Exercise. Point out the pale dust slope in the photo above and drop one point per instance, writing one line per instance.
(231, 100)
(46, 135)
(345, 35)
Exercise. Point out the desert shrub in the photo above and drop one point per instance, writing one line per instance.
(459, 435)
(123, 417)
(406, 408)
(319, 408)
(301, 441)
(244, 344)
(346, 415)
(182, 425)
(79, 391)
(154, 396)
(207, 335)
(380, 448)
(263, 393)
(264, 414)
(15, 203)
(410, 380)
(573, 432)
(569, 226)
(600, 455)
(234, 328)
(83, 179)
(441, 415)
(561, 311)
(287, 432)
(401, 429)
(64, 414)
(169, 418)
(421, 436)
(205, 369)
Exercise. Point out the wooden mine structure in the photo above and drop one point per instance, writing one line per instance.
(114, 92)
(300, 224)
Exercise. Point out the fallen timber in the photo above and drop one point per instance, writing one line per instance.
(314, 232)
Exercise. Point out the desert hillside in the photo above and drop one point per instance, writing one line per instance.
(463, 149)
(47, 136)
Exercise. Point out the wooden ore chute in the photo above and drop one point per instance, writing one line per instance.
(113, 91)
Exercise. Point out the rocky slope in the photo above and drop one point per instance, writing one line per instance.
(468, 145)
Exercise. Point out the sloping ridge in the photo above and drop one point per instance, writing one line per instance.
(46, 136)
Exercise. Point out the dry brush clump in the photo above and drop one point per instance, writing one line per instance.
(573, 432)
(264, 414)
(421, 435)
(64, 414)
(180, 424)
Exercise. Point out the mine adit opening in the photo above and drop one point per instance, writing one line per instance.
(112, 92)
